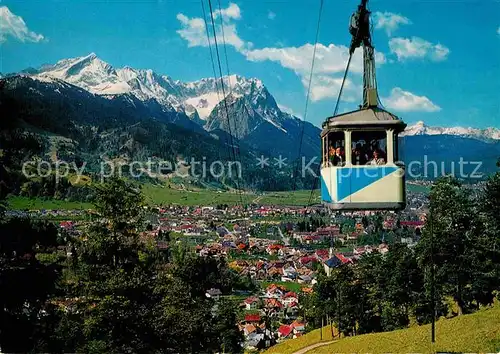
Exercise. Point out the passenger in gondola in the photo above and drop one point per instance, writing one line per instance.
(377, 159)
(373, 147)
(331, 155)
(358, 155)
(339, 159)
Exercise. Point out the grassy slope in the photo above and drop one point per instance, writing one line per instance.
(417, 188)
(292, 345)
(157, 194)
(160, 194)
(21, 203)
(478, 332)
(300, 197)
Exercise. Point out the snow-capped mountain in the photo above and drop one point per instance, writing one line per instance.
(252, 109)
(255, 114)
(201, 97)
(197, 99)
(482, 134)
(139, 112)
(98, 77)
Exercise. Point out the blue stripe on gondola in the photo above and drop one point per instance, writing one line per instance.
(325, 193)
(351, 180)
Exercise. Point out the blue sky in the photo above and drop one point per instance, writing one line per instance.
(438, 61)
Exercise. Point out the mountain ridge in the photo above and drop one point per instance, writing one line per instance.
(201, 100)
(420, 128)
(256, 120)
(96, 128)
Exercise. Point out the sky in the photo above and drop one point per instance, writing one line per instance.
(438, 61)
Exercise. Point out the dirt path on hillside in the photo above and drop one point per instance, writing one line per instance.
(256, 200)
(314, 346)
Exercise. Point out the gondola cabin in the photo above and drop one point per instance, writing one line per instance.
(360, 165)
(360, 168)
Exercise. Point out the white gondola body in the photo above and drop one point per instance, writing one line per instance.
(363, 187)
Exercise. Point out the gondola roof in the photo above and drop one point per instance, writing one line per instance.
(366, 118)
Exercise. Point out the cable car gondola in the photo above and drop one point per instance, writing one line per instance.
(360, 169)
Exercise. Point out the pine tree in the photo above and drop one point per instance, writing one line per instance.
(447, 242)
(29, 270)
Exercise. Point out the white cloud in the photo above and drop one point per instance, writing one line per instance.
(329, 59)
(15, 27)
(231, 37)
(405, 101)
(330, 62)
(194, 32)
(389, 21)
(329, 67)
(324, 86)
(271, 15)
(498, 30)
(415, 47)
(232, 12)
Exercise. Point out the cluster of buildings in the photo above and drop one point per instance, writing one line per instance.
(267, 245)
(275, 304)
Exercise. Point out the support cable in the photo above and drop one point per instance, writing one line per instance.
(334, 114)
(210, 48)
(224, 46)
(224, 96)
(295, 177)
(342, 85)
(238, 152)
(212, 60)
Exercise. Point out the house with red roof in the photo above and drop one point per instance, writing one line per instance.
(274, 308)
(322, 254)
(388, 224)
(412, 224)
(285, 331)
(308, 259)
(342, 258)
(359, 227)
(383, 248)
(249, 329)
(298, 327)
(328, 232)
(274, 248)
(275, 291)
(251, 303)
(307, 290)
(252, 318)
(290, 298)
(311, 239)
(263, 211)
(67, 225)
(273, 303)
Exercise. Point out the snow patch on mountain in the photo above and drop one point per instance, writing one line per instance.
(420, 128)
(88, 72)
(205, 103)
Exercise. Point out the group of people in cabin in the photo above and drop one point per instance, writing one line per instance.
(361, 155)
